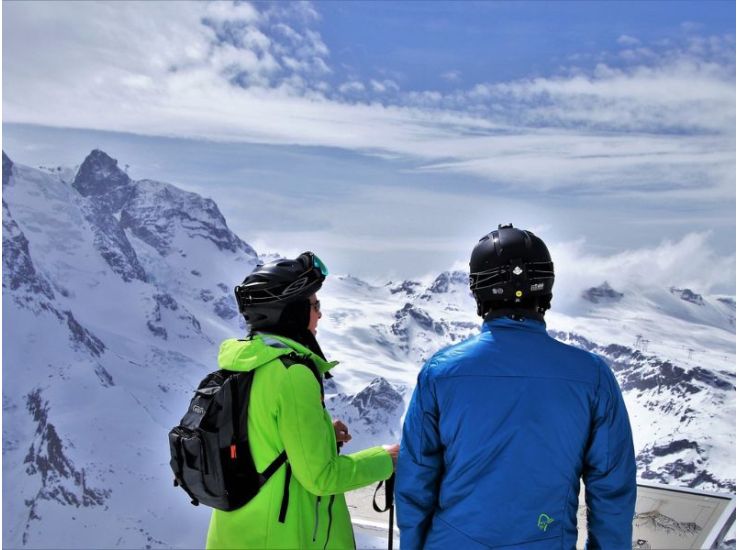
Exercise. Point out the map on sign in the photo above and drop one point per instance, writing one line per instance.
(673, 517)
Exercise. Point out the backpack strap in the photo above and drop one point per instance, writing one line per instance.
(285, 495)
(273, 467)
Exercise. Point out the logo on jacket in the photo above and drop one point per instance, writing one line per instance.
(544, 520)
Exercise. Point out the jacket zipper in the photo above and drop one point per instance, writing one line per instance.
(315, 528)
(330, 521)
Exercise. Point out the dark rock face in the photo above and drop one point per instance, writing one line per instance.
(157, 330)
(106, 189)
(61, 481)
(447, 279)
(676, 446)
(602, 293)
(155, 212)
(688, 296)
(637, 371)
(161, 301)
(225, 308)
(379, 395)
(407, 287)
(165, 302)
(83, 337)
(688, 472)
(7, 169)
(100, 177)
(420, 316)
(18, 269)
(727, 301)
(112, 243)
(151, 211)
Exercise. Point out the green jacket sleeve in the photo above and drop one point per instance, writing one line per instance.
(307, 433)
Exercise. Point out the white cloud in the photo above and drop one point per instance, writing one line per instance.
(384, 86)
(690, 262)
(301, 11)
(351, 87)
(451, 76)
(664, 97)
(626, 40)
(661, 126)
(228, 11)
(288, 32)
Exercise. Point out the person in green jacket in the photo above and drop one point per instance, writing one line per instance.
(302, 504)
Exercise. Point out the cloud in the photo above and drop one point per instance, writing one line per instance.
(351, 87)
(659, 97)
(658, 123)
(690, 262)
(625, 40)
(384, 86)
(451, 76)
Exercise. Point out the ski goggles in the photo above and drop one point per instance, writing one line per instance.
(315, 263)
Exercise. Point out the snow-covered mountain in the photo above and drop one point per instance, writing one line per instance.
(117, 293)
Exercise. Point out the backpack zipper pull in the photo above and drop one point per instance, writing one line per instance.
(233, 451)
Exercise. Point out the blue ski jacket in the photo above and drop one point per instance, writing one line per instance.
(498, 434)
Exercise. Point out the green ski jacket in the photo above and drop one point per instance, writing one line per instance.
(286, 413)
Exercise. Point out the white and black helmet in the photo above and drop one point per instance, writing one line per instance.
(510, 266)
(269, 288)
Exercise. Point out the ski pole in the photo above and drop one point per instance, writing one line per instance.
(389, 505)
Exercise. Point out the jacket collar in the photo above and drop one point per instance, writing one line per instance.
(520, 323)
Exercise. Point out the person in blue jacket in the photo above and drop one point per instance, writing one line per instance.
(502, 427)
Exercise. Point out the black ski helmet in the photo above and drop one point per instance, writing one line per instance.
(271, 287)
(510, 266)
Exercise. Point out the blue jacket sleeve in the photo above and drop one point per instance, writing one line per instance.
(610, 470)
(419, 466)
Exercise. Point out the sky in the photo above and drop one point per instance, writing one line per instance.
(388, 137)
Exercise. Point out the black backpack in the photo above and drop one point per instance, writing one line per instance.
(210, 454)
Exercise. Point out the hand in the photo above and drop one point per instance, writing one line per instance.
(342, 432)
(393, 451)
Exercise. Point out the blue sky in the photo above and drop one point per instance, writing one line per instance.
(390, 136)
(499, 41)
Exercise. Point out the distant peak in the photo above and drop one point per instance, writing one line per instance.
(447, 279)
(100, 158)
(688, 295)
(602, 293)
(98, 174)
